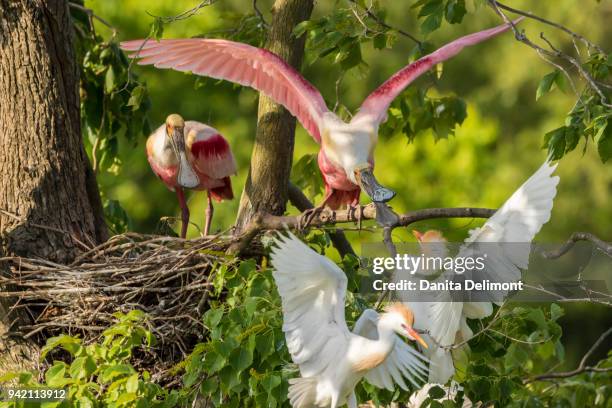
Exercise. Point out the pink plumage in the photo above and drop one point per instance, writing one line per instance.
(209, 155)
(347, 147)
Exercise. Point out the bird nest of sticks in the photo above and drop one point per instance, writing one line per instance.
(166, 277)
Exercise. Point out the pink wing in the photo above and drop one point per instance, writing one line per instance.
(376, 104)
(240, 63)
(213, 157)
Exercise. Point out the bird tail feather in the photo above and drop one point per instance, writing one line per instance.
(303, 392)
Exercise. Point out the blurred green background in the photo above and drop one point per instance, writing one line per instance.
(494, 151)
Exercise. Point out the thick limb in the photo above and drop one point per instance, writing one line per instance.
(209, 214)
(307, 216)
(184, 211)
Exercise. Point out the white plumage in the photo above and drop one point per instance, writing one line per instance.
(332, 359)
(518, 220)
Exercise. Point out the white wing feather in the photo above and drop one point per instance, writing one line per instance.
(403, 361)
(517, 221)
(312, 289)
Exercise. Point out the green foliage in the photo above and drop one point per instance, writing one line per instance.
(98, 374)
(414, 112)
(590, 119)
(434, 11)
(339, 37)
(113, 104)
(244, 362)
(306, 175)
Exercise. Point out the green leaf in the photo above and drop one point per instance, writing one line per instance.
(212, 317)
(555, 142)
(270, 382)
(380, 41)
(431, 23)
(124, 398)
(131, 385)
(546, 84)
(136, 97)
(455, 11)
(109, 80)
(436, 392)
(556, 311)
(55, 376)
(209, 386)
(115, 371)
(157, 28)
(430, 7)
(82, 367)
(68, 343)
(603, 138)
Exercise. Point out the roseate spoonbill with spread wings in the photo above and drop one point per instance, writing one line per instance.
(332, 359)
(192, 155)
(346, 155)
(504, 240)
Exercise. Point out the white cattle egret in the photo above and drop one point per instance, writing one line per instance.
(332, 359)
(346, 155)
(192, 155)
(517, 221)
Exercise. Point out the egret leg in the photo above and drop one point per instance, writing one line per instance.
(209, 214)
(184, 211)
(352, 401)
(307, 216)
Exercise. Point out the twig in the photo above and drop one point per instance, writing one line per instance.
(555, 53)
(90, 13)
(259, 14)
(582, 367)
(553, 24)
(605, 247)
(185, 14)
(387, 26)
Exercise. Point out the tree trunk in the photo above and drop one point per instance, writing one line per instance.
(49, 201)
(266, 186)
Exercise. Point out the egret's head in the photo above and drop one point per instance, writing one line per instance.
(432, 243)
(175, 131)
(363, 175)
(400, 318)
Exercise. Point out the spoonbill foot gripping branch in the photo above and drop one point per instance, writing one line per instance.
(346, 155)
(190, 154)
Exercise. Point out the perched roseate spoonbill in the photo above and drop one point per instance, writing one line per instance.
(332, 359)
(505, 241)
(346, 155)
(192, 155)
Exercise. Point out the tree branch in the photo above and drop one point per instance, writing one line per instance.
(553, 24)
(302, 203)
(380, 22)
(582, 367)
(579, 236)
(327, 218)
(555, 53)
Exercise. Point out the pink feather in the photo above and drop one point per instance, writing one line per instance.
(240, 63)
(376, 104)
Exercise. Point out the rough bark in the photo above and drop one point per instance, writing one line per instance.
(266, 186)
(49, 201)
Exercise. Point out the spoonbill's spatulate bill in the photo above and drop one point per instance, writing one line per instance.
(192, 155)
(331, 358)
(346, 154)
(517, 221)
